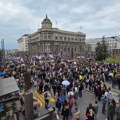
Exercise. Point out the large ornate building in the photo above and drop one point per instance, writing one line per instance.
(52, 40)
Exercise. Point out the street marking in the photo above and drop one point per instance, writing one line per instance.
(40, 97)
(38, 101)
(52, 99)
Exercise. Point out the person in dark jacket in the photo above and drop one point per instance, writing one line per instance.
(58, 106)
(117, 111)
(90, 112)
(65, 111)
(96, 109)
(81, 87)
(111, 110)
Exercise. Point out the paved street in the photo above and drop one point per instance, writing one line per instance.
(82, 104)
(87, 98)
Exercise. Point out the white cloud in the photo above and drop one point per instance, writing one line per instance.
(97, 18)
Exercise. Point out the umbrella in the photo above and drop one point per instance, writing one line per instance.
(118, 95)
(66, 82)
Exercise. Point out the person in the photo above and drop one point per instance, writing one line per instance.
(54, 87)
(96, 109)
(58, 106)
(81, 87)
(62, 98)
(111, 110)
(104, 101)
(35, 111)
(77, 118)
(70, 102)
(76, 115)
(117, 111)
(70, 94)
(40, 85)
(76, 92)
(47, 98)
(118, 81)
(65, 111)
(55, 116)
(90, 112)
(109, 97)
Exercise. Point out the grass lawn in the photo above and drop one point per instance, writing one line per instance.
(116, 60)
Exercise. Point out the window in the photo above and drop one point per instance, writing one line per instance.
(26, 41)
(45, 35)
(60, 38)
(45, 46)
(49, 36)
(71, 38)
(56, 37)
(64, 38)
(68, 38)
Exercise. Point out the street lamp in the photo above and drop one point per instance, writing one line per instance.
(3, 51)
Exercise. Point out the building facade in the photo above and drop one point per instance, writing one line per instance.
(112, 42)
(116, 45)
(52, 40)
(23, 43)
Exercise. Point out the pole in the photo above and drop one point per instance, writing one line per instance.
(3, 52)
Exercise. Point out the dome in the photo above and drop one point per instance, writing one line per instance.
(46, 21)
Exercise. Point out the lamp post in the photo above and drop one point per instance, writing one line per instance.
(3, 52)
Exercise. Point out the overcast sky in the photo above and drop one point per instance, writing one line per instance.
(93, 17)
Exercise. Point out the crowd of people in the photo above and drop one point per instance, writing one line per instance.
(47, 78)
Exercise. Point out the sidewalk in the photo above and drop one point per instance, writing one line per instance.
(116, 90)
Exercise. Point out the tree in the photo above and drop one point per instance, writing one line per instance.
(101, 50)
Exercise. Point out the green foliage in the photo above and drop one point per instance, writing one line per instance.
(101, 51)
(115, 60)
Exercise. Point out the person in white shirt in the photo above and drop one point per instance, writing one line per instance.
(47, 97)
